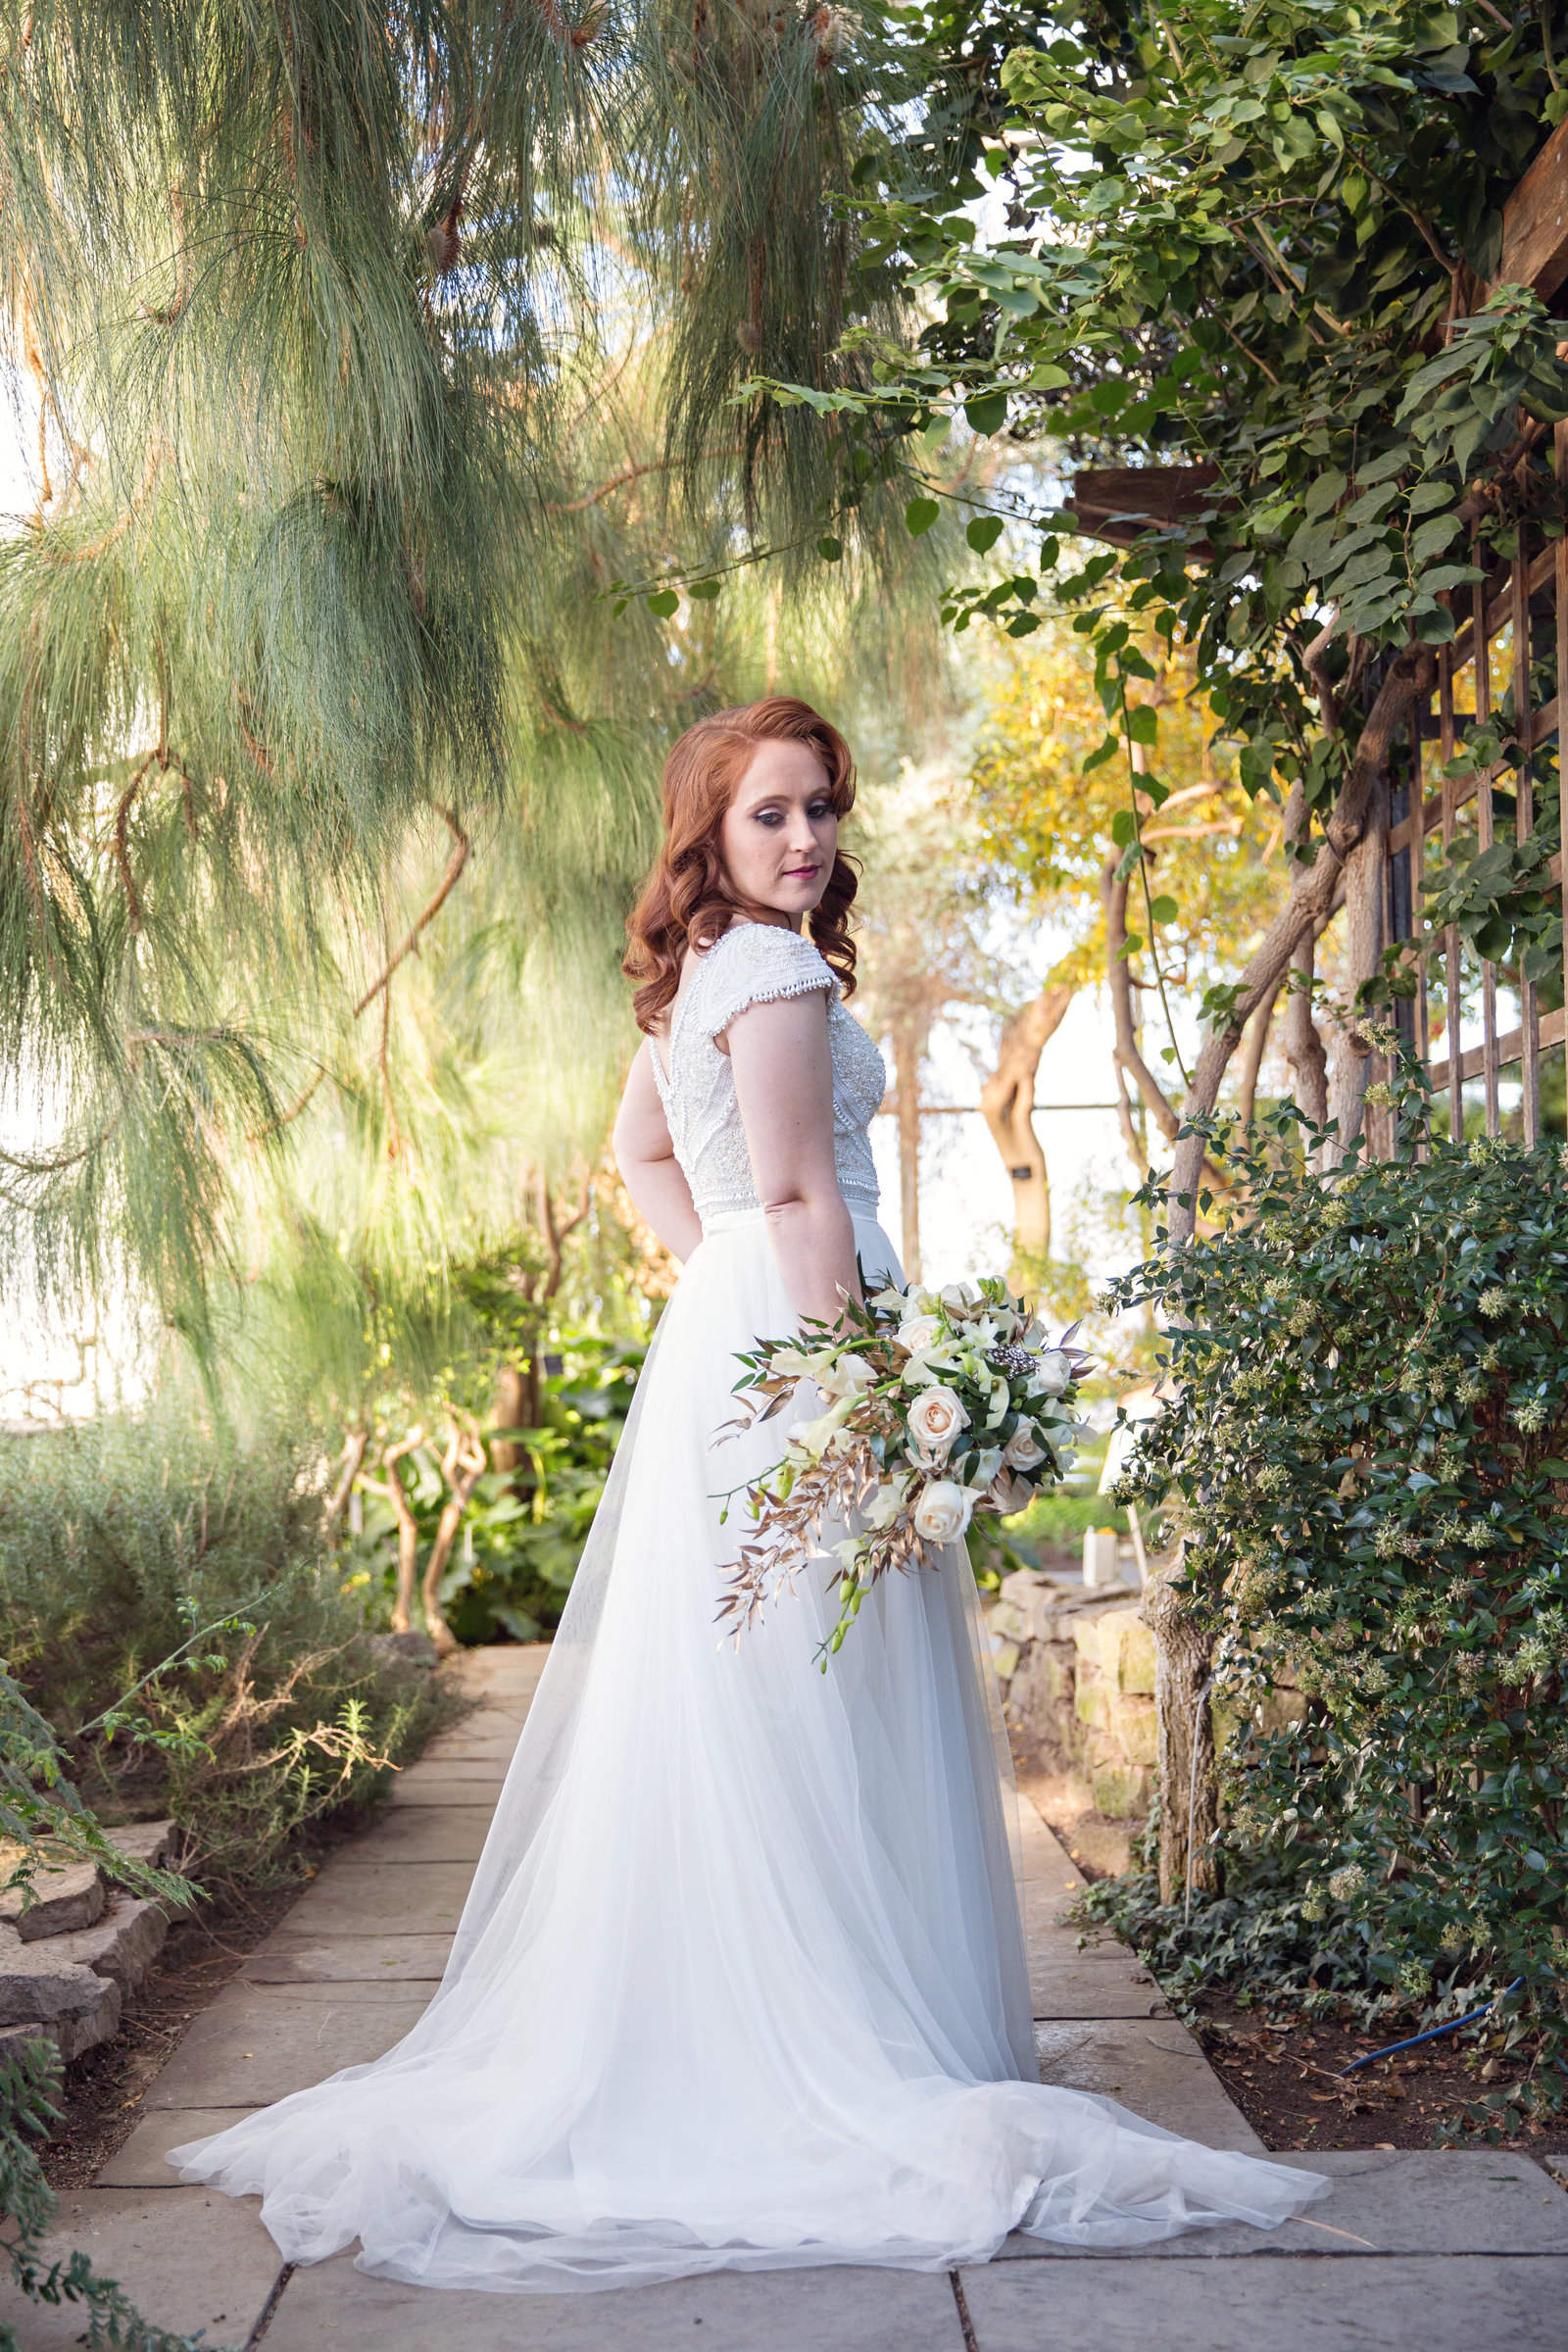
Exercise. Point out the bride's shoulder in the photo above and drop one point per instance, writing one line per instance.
(756, 963)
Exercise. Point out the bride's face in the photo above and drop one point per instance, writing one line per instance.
(780, 832)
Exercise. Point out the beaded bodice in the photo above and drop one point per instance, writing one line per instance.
(756, 963)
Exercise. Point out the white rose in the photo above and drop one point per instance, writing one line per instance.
(957, 1296)
(942, 1511)
(919, 1332)
(934, 1419)
(1052, 1372)
(1010, 1494)
(1023, 1451)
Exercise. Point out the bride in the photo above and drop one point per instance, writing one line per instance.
(741, 1980)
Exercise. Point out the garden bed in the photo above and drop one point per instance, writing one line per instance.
(1283, 2074)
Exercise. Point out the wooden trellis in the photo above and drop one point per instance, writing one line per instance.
(1529, 602)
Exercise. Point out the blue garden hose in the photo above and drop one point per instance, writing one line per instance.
(1432, 2034)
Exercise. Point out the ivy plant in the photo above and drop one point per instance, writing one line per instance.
(1364, 1459)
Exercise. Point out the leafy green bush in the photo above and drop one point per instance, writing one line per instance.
(136, 1537)
(1365, 1461)
(523, 1531)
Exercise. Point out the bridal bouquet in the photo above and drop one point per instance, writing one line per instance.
(939, 1404)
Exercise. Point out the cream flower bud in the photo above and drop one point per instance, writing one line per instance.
(934, 1419)
(944, 1511)
(1023, 1451)
(1052, 1373)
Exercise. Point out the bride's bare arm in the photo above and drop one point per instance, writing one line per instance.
(649, 1168)
(783, 1068)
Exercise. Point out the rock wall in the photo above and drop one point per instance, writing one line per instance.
(70, 1960)
(1077, 1676)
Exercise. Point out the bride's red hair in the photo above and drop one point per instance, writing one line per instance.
(689, 900)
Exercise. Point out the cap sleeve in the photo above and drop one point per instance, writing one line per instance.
(757, 963)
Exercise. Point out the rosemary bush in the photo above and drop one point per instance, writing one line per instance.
(156, 1546)
(1363, 1458)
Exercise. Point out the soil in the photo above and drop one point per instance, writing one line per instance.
(104, 2087)
(1285, 2077)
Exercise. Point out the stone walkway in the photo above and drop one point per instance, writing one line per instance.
(1434, 2252)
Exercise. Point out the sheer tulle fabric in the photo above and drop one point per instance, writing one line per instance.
(741, 1981)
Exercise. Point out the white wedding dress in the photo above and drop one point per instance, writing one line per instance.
(741, 1980)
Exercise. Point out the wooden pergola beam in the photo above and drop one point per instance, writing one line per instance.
(1534, 222)
(1116, 503)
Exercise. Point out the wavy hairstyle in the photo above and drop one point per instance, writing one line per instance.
(689, 899)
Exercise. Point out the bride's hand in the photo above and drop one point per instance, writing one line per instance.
(783, 1066)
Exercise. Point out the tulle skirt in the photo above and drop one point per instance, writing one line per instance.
(741, 1981)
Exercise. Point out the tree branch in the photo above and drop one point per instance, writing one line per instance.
(427, 914)
(1411, 676)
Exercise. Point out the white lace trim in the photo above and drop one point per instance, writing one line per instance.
(775, 965)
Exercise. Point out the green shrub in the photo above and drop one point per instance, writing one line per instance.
(1057, 1521)
(135, 1537)
(1365, 1461)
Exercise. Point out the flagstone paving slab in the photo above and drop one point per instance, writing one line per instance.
(383, 1898)
(422, 1833)
(1152, 2066)
(139, 2163)
(1398, 2201)
(1471, 2250)
(1074, 1987)
(1103, 1980)
(444, 1783)
(286, 1959)
(332, 2307)
(1275, 2303)
(188, 2258)
(259, 2042)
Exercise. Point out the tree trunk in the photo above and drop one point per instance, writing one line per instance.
(1189, 1784)
(907, 1094)
(1255, 1046)
(1363, 944)
(463, 1468)
(352, 1458)
(1007, 1099)
(516, 1407)
(407, 1527)
(1303, 1046)
(1114, 900)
